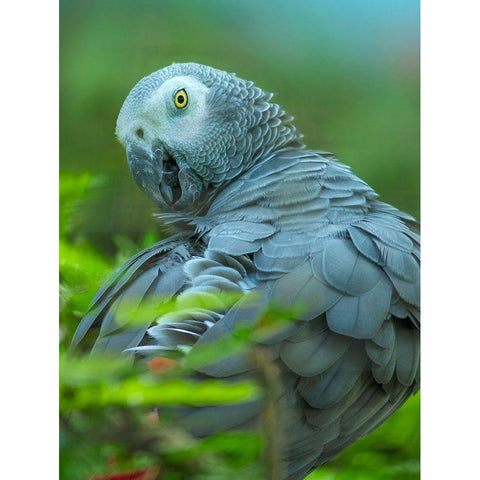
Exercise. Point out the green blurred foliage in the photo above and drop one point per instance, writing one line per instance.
(99, 382)
(347, 70)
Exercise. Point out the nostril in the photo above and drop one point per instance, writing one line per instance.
(140, 133)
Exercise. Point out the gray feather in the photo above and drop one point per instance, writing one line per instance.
(361, 317)
(320, 417)
(364, 244)
(330, 387)
(300, 287)
(136, 280)
(348, 271)
(408, 354)
(209, 420)
(314, 355)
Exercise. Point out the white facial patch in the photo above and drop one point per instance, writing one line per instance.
(157, 117)
(175, 125)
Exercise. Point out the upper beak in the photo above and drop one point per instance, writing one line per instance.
(158, 174)
(146, 169)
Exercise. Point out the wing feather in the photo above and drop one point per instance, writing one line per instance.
(154, 273)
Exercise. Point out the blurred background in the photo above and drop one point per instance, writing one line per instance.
(348, 70)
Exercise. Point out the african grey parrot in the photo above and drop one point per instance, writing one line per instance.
(253, 210)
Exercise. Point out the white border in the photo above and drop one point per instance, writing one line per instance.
(450, 214)
(450, 239)
(29, 239)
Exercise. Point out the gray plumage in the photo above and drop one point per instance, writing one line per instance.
(255, 211)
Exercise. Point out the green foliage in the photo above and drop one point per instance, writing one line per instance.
(82, 267)
(99, 382)
(110, 422)
(114, 439)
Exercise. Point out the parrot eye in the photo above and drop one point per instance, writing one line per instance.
(181, 98)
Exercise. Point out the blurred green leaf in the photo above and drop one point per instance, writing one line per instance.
(137, 391)
(98, 382)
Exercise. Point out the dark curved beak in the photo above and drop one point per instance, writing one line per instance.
(158, 174)
(146, 169)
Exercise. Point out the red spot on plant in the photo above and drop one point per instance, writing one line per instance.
(145, 474)
(161, 364)
(152, 416)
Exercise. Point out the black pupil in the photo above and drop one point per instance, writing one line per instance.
(181, 99)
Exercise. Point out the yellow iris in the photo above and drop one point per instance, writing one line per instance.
(181, 99)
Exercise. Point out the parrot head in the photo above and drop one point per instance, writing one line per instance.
(189, 129)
